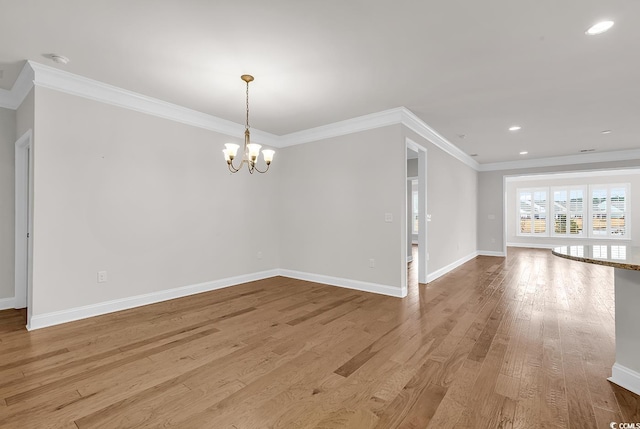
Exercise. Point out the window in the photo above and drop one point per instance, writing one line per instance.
(609, 211)
(593, 211)
(414, 214)
(568, 211)
(532, 204)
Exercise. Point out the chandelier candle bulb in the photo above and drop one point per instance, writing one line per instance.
(268, 155)
(254, 150)
(230, 151)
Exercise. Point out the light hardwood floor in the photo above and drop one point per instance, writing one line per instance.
(521, 342)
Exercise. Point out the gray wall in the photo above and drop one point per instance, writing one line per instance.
(490, 196)
(7, 201)
(146, 199)
(451, 201)
(332, 207)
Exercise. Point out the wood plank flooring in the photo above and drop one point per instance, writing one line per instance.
(525, 341)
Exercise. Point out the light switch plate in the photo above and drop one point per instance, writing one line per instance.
(388, 217)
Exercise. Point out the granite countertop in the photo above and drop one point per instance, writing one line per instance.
(611, 255)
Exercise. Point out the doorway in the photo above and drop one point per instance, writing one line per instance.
(23, 222)
(416, 195)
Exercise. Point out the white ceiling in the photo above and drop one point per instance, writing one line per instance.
(464, 67)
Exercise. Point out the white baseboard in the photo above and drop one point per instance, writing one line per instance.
(346, 283)
(7, 303)
(452, 266)
(491, 253)
(58, 317)
(625, 377)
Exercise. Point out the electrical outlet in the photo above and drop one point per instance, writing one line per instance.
(259, 255)
(427, 256)
(102, 276)
(372, 263)
(388, 217)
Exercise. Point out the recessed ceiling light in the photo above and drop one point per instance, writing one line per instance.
(59, 59)
(524, 152)
(473, 154)
(599, 28)
(605, 132)
(515, 128)
(586, 150)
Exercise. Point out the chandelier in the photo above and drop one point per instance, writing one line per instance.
(251, 150)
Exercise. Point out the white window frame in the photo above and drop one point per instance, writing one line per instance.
(586, 199)
(532, 191)
(609, 229)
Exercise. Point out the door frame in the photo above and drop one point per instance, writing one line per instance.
(24, 221)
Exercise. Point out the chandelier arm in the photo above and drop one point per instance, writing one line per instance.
(232, 168)
(260, 171)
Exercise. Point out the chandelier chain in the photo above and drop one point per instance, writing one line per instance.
(247, 105)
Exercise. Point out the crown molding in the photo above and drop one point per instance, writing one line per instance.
(417, 125)
(341, 128)
(587, 158)
(12, 99)
(59, 80)
(49, 77)
(626, 171)
(398, 115)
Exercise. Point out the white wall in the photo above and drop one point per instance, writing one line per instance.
(333, 198)
(490, 198)
(146, 199)
(512, 210)
(451, 201)
(7, 201)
